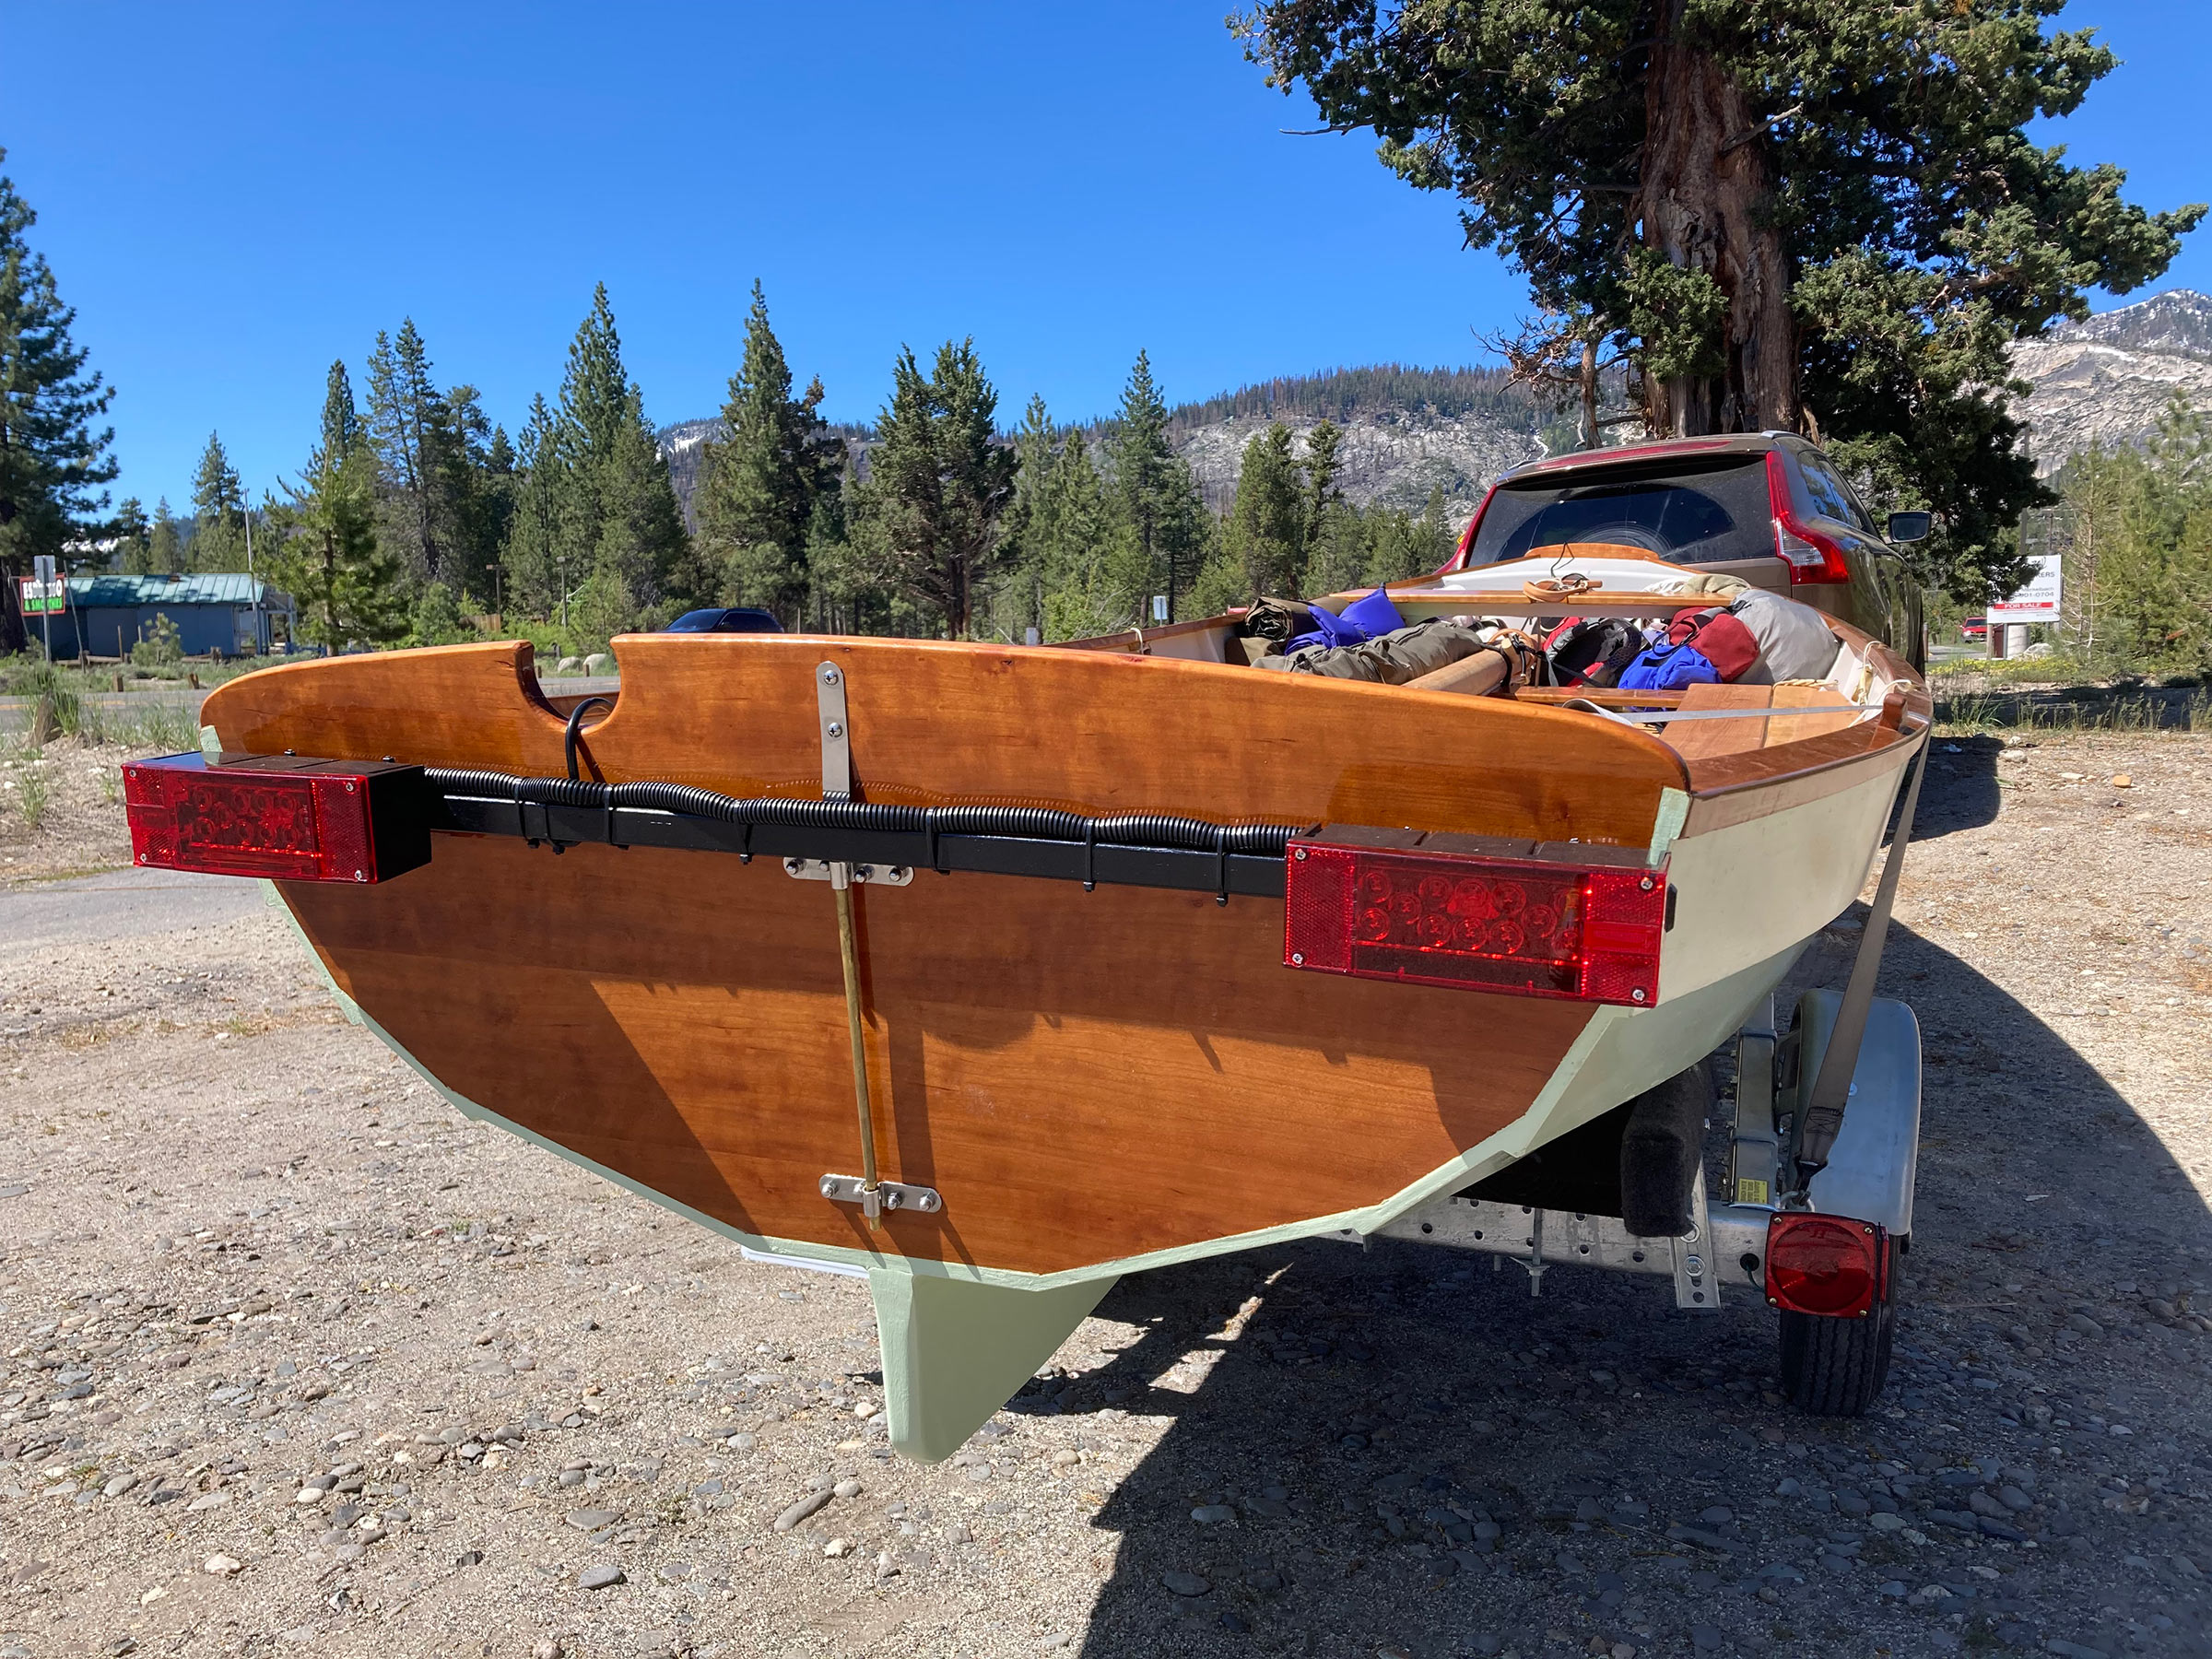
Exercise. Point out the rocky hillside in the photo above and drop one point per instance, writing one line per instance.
(1408, 431)
(2108, 381)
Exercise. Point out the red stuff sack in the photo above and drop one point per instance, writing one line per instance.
(1721, 638)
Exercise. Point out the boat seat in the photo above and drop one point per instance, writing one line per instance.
(1781, 729)
(1702, 739)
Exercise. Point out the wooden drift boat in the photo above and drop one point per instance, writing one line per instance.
(1082, 1042)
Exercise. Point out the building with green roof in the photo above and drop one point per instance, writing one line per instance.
(216, 613)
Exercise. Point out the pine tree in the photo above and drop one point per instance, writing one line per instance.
(532, 555)
(164, 545)
(616, 508)
(833, 600)
(1018, 597)
(341, 415)
(1323, 463)
(1159, 496)
(475, 494)
(329, 558)
(1401, 545)
(1267, 531)
(410, 424)
(499, 493)
(759, 483)
(132, 538)
(1097, 575)
(51, 459)
(219, 536)
(928, 519)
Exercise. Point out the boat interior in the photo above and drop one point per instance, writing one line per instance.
(1865, 684)
(1727, 736)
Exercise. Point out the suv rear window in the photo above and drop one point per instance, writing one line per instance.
(1693, 512)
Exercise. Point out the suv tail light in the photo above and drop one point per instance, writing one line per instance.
(1830, 1265)
(1520, 927)
(1466, 550)
(1812, 555)
(278, 815)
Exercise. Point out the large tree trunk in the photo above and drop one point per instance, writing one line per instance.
(1705, 197)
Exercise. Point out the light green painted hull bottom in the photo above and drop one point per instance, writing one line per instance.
(958, 1341)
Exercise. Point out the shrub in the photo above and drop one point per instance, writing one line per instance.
(162, 649)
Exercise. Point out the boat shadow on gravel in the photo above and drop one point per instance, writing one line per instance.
(1962, 792)
(1398, 1448)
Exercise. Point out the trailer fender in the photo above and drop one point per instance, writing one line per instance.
(1870, 1174)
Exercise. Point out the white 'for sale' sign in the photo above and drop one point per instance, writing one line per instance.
(2037, 599)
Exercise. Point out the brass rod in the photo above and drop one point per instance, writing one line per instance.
(849, 950)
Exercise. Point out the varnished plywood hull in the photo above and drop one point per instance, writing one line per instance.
(1085, 1078)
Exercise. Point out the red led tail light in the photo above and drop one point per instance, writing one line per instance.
(277, 816)
(1826, 1264)
(1812, 555)
(1521, 926)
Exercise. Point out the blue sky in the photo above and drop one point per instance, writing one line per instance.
(233, 195)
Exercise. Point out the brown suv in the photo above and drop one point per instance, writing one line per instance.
(1765, 506)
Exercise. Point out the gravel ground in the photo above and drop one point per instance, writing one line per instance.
(299, 1359)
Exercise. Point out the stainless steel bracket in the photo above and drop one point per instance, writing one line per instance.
(837, 733)
(890, 1195)
(823, 869)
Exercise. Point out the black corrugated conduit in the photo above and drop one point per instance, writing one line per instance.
(1032, 823)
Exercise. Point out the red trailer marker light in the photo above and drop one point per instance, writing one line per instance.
(277, 816)
(1521, 926)
(1826, 1264)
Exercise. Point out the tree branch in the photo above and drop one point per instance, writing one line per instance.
(1748, 133)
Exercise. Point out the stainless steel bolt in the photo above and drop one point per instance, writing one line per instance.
(1635, 995)
(836, 729)
(828, 675)
(1298, 958)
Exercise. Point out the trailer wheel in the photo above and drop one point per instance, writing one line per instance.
(1836, 1367)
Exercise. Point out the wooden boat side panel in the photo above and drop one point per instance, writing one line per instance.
(937, 722)
(1085, 1077)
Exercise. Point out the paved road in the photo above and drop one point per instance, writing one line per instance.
(122, 905)
(16, 710)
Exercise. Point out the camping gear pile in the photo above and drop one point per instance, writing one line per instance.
(1749, 636)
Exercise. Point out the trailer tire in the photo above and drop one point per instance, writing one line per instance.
(1836, 1367)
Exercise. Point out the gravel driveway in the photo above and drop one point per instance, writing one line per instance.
(299, 1361)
